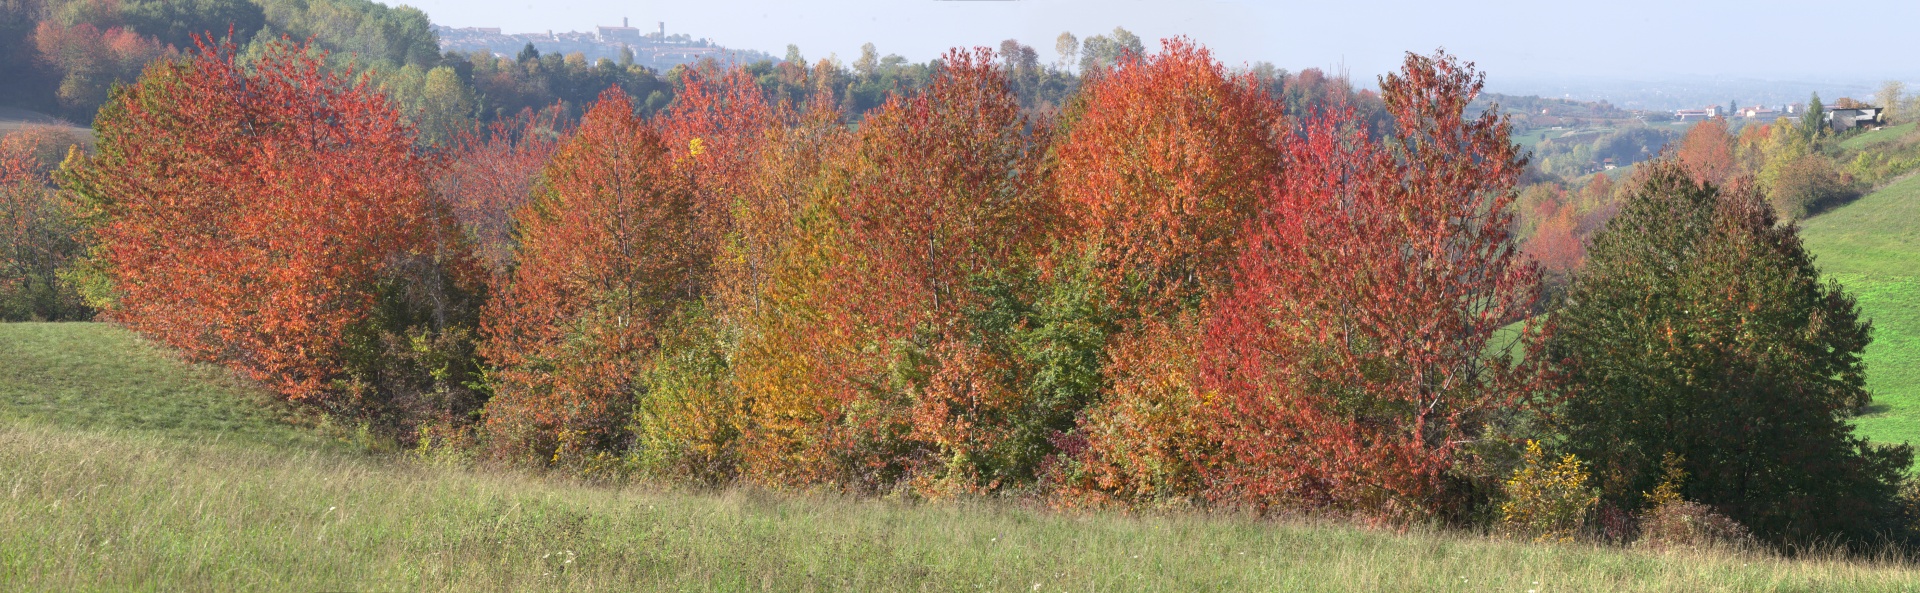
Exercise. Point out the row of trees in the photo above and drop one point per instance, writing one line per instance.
(1171, 292)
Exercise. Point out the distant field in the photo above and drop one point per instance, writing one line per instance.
(115, 478)
(12, 119)
(1873, 247)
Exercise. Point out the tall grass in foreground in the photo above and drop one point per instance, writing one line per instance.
(131, 511)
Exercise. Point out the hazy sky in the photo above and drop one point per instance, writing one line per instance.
(1860, 40)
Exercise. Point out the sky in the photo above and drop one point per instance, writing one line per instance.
(1510, 40)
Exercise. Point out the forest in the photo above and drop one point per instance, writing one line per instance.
(1157, 283)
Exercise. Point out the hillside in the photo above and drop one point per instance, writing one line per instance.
(12, 119)
(1873, 246)
(128, 470)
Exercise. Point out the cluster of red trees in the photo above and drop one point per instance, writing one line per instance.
(1170, 290)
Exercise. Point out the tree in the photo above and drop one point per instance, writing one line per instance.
(38, 238)
(1700, 329)
(869, 63)
(1163, 161)
(1707, 152)
(877, 380)
(1068, 47)
(273, 217)
(1351, 363)
(1891, 99)
(1814, 123)
(489, 174)
(602, 262)
(93, 60)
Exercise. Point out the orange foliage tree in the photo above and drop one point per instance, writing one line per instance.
(1162, 162)
(603, 260)
(1350, 363)
(1707, 153)
(880, 382)
(267, 216)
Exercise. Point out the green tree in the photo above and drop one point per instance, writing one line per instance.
(447, 107)
(1814, 122)
(1700, 328)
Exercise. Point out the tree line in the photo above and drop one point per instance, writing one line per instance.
(1170, 291)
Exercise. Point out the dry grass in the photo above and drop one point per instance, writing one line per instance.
(124, 470)
(128, 511)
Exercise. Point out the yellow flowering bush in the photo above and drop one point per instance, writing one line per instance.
(1547, 500)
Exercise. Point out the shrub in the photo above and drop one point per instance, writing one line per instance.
(1547, 500)
(1809, 185)
(1672, 521)
(39, 240)
(686, 420)
(1140, 445)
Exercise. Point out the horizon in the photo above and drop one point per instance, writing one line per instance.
(1634, 41)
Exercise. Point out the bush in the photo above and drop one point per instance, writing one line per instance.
(1675, 522)
(686, 421)
(1140, 446)
(1547, 500)
(1809, 185)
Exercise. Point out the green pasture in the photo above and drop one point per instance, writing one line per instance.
(1873, 247)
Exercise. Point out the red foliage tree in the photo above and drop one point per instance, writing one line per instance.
(603, 260)
(1162, 163)
(489, 174)
(1707, 153)
(248, 214)
(1350, 360)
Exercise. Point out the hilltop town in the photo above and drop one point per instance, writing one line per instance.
(651, 48)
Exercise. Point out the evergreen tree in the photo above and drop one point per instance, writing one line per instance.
(1815, 120)
(1700, 328)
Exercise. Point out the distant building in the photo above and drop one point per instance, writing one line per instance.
(1760, 112)
(622, 33)
(1696, 114)
(1858, 116)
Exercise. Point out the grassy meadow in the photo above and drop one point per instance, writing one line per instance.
(123, 470)
(1873, 247)
(1873, 138)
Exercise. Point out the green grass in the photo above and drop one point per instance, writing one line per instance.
(1871, 138)
(115, 479)
(99, 376)
(1873, 247)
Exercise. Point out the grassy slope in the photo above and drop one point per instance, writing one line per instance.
(1873, 247)
(1875, 137)
(13, 119)
(123, 470)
